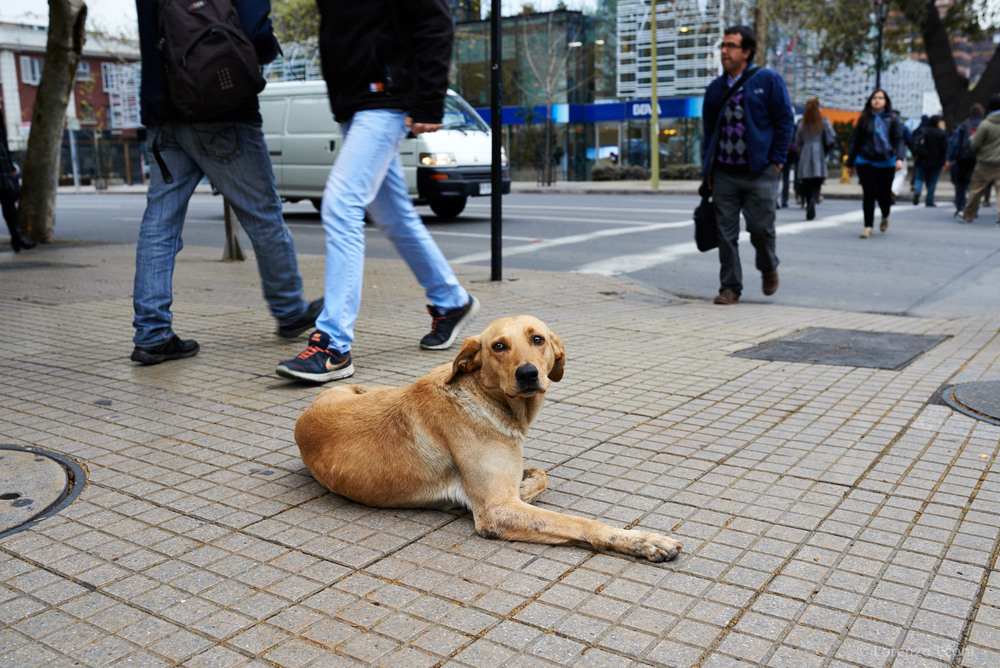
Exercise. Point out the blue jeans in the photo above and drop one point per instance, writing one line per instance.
(754, 197)
(235, 158)
(920, 174)
(368, 174)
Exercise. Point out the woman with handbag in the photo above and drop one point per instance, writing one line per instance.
(814, 136)
(10, 191)
(877, 148)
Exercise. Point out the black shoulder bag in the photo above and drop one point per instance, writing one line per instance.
(706, 231)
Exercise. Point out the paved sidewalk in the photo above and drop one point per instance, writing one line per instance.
(831, 515)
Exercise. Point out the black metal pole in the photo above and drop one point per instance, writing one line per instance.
(496, 123)
(880, 18)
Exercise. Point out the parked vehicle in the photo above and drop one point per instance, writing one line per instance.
(443, 169)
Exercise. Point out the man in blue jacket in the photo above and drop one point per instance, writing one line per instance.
(230, 150)
(744, 146)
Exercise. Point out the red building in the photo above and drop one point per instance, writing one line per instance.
(103, 107)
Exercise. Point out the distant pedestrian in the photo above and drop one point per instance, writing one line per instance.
(10, 192)
(986, 144)
(877, 149)
(961, 158)
(386, 70)
(814, 138)
(230, 150)
(930, 148)
(899, 179)
(747, 126)
(788, 182)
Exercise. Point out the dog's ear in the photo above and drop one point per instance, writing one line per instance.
(556, 373)
(468, 359)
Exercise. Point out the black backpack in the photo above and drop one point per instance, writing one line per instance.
(965, 152)
(211, 66)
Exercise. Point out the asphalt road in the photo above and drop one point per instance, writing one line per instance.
(926, 265)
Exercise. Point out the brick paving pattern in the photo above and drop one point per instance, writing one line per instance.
(831, 515)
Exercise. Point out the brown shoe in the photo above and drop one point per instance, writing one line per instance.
(866, 233)
(884, 227)
(771, 284)
(727, 298)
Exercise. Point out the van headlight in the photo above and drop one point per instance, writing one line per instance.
(437, 159)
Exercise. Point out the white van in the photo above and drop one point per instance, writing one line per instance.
(443, 168)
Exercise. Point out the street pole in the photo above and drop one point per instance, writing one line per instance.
(880, 12)
(496, 125)
(654, 101)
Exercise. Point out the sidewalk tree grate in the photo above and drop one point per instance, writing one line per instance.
(979, 400)
(35, 484)
(844, 347)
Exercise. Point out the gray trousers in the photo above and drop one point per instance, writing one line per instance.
(754, 197)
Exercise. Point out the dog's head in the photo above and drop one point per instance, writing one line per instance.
(517, 356)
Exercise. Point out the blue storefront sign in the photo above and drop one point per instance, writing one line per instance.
(688, 107)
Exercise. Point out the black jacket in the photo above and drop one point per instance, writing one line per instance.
(154, 97)
(935, 148)
(386, 54)
(863, 140)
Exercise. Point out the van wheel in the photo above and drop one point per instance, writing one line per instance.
(448, 208)
(317, 204)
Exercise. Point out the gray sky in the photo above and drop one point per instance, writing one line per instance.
(115, 16)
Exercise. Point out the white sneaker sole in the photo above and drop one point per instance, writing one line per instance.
(459, 326)
(336, 374)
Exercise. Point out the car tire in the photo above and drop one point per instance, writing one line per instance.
(448, 208)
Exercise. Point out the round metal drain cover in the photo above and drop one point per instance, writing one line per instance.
(35, 484)
(978, 400)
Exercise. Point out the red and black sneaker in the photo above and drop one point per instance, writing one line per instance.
(317, 363)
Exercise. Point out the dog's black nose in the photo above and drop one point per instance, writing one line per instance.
(526, 374)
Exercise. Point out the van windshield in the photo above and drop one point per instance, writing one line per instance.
(459, 115)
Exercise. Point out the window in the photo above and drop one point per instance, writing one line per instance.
(88, 115)
(107, 76)
(31, 70)
(83, 71)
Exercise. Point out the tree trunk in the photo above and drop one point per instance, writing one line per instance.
(760, 29)
(952, 88)
(41, 163)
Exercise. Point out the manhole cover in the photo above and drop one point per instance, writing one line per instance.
(844, 347)
(978, 400)
(35, 484)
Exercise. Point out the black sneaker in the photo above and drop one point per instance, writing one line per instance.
(304, 322)
(174, 348)
(446, 325)
(317, 363)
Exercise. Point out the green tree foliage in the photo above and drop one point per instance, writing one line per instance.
(295, 20)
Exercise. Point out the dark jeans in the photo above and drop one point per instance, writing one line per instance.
(754, 197)
(8, 202)
(876, 185)
(811, 190)
(961, 176)
(922, 174)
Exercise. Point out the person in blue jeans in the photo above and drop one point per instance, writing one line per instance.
(386, 68)
(231, 151)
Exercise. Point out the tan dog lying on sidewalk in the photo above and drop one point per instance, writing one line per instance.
(455, 438)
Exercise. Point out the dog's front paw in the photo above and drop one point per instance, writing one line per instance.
(533, 482)
(653, 546)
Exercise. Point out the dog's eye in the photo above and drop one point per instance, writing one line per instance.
(538, 340)
(499, 347)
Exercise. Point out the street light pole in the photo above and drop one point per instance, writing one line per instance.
(881, 9)
(654, 101)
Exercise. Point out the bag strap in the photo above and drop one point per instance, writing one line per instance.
(747, 73)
